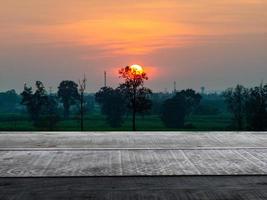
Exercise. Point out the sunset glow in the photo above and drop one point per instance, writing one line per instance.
(209, 42)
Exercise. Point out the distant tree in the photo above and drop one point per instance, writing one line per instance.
(174, 112)
(256, 108)
(50, 114)
(68, 95)
(235, 99)
(206, 109)
(82, 87)
(157, 102)
(9, 101)
(136, 95)
(211, 104)
(28, 101)
(143, 100)
(192, 99)
(175, 109)
(34, 102)
(41, 108)
(112, 105)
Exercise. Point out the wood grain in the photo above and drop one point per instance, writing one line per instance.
(136, 188)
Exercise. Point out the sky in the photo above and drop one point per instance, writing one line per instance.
(211, 43)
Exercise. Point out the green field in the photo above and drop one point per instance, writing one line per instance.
(96, 122)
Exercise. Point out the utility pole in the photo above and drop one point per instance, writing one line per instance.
(82, 84)
(174, 87)
(50, 108)
(202, 90)
(134, 106)
(105, 79)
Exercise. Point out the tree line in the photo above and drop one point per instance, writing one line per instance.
(248, 106)
(43, 108)
(131, 97)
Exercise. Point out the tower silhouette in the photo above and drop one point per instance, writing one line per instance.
(105, 79)
(202, 89)
(174, 87)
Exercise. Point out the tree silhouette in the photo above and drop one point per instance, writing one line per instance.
(143, 100)
(34, 102)
(9, 101)
(52, 116)
(112, 104)
(134, 91)
(68, 95)
(41, 107)
(256, 108)
(235, 99)
(82, 87)
(175, 109)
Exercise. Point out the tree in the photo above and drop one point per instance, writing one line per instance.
(112, 105)
(49, 116)
(68, 95)
(256, 108)
(175, 109)
(235, 99)
(143, 100)
(136, 95)
(41, 107)
(34, 102)
(82, 87)
(174, 112)
(52, 116)
(192, 99)
(9, 101)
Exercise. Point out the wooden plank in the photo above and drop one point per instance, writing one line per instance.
(141, 188)
(133, 140)
(132, 162)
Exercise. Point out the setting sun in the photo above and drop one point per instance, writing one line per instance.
(137, 69)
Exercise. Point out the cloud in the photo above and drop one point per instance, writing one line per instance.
(72, 36)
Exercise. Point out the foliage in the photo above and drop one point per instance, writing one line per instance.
(50, 117)
(235, 99)
(132, 79)
(34, 102)
(168, 111)
(175, 109)
(112, 105)
(157, 101)
(68, 95)
(210, 105)
(136, 95)
(41, 108)
(9, 101)
(248, 106)
(256, 108)
(142, 99)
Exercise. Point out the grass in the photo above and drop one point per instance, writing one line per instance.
(96, 122)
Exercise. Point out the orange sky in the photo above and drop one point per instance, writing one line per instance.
(196, 42)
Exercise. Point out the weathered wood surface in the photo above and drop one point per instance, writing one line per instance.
(132, 140)
(136, 188)
(132, 154)
(133, 162)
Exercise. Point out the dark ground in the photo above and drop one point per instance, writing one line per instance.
(126, 188)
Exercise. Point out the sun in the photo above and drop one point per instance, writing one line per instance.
(137, 69)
